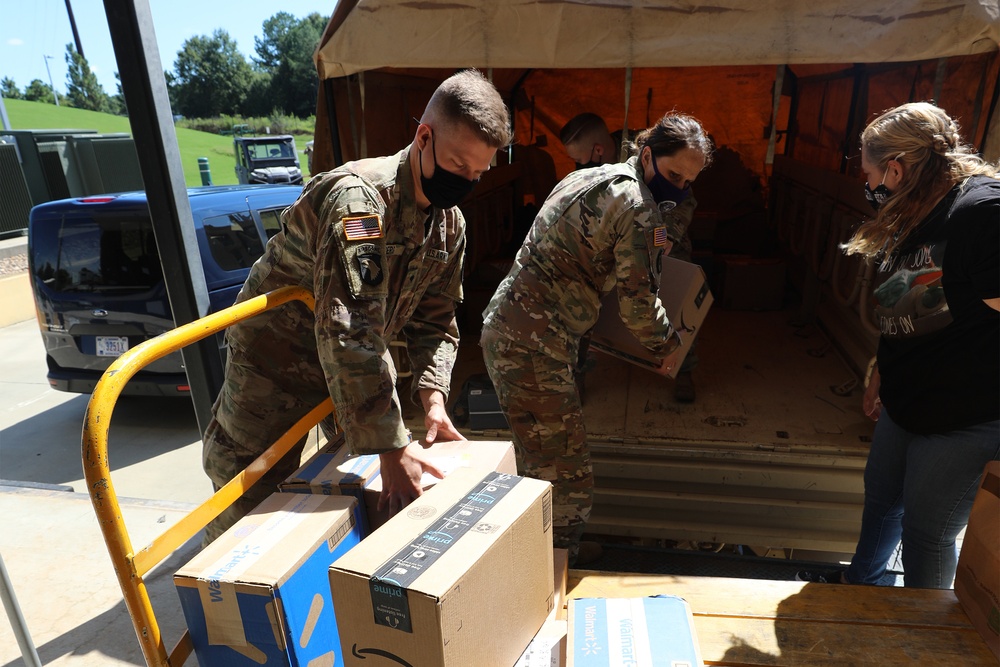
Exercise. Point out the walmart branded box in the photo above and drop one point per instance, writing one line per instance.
(641, 632)
(460, 577)
(260, 594)
(685, 296)
(332, 470)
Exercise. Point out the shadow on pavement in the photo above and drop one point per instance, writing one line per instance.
(110, 636)
(46, 448)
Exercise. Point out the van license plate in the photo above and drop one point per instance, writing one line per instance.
(111, 346)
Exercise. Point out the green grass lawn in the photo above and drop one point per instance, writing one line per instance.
(192, 144)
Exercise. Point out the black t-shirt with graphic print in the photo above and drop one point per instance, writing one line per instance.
(939, 353)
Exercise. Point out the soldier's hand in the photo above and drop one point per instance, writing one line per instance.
(436, 419)
(401, 471)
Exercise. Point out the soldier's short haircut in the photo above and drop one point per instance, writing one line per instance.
(581, 126)
(468, 98)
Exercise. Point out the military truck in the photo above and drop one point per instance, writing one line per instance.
(771, 453)
(267, 159)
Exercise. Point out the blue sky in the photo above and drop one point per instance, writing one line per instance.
(32, 29)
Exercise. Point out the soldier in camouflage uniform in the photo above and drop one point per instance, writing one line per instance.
(380, 244)
(599, 228)
(589, 144)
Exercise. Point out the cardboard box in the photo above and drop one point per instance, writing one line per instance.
(560, 573)
(259, 594)
(463, 576)
(332, 470)
(643, 632)
(685, 296)
(548, 648)
(977, 580)
(752, 284)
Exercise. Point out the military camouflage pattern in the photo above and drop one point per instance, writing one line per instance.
(282, 363)
(595, 231)
(539, 397)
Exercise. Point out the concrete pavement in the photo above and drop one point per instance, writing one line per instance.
(49, 538)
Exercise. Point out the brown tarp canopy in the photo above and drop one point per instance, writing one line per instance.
(844, 61)
(371, 34)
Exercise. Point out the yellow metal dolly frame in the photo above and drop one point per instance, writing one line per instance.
(130, 566)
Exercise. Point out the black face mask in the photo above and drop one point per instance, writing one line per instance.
(663, 190)
(881, 192)
(591, 163)
(878, 195)
(444, 189)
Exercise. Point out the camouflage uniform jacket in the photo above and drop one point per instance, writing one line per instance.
(401, 273)
(596, 224)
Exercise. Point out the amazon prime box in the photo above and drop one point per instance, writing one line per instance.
(462, 576)
(260, 594)
(685, 296)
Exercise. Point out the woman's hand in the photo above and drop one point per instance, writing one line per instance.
(871, 403)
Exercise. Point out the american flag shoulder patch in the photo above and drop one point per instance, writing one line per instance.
(660, 236)
(361, 227)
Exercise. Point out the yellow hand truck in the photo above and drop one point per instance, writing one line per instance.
(130, 565)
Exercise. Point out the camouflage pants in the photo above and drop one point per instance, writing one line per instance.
(254, 410)
(539, 397)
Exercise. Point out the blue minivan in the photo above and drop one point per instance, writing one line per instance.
(98, 285)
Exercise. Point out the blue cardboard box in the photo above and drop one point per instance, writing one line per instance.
(640, 632)
(332, 471)
(260, 594)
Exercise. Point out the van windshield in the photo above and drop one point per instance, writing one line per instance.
(114, 254)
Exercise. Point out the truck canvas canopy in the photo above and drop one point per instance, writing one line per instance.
(717, 61)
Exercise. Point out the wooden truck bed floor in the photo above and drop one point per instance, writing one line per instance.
(750, 622)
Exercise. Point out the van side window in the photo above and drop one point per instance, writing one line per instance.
(271, 220)
(233, 240)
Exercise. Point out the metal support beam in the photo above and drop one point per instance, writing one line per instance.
(145, 90)
(16, 618)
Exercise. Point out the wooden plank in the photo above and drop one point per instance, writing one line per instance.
(744, 622)
(724, 596)
(752, 642)
(757, 377)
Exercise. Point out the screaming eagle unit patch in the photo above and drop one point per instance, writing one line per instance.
(367, 257)
(370, 268)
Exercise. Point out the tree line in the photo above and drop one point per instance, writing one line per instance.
(210, 76)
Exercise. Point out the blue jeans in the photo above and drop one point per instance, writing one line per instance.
(919, 489)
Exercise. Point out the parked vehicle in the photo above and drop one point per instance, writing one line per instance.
(98, 285)
(269, 159)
